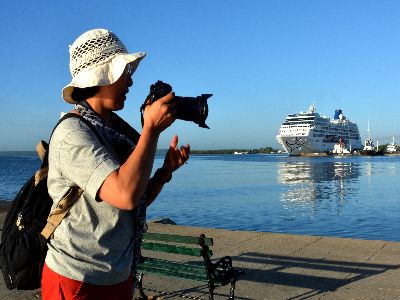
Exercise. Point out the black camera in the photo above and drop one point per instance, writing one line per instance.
(193, 109)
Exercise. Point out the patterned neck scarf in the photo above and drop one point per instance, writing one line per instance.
(122, 145)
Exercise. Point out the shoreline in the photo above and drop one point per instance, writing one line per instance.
(6, 204)
(4, 207)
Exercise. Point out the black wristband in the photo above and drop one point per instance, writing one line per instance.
(157, 177)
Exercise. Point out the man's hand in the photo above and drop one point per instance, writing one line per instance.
(160, 114)
(175, 156)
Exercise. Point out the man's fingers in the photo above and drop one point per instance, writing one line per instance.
(174, 142)
(185, 152)
(168, 98)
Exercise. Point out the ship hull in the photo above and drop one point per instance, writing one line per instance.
(371, 152)
(296, 146)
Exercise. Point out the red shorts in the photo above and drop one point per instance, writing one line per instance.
(57, 287)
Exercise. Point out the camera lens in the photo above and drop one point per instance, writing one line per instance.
(194, 109)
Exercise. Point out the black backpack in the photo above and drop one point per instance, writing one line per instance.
(29, 225)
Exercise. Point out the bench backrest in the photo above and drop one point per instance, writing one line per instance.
(177, 244)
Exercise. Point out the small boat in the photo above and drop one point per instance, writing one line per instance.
(391, 148)
(340, 149)
(369, 148)
(240, 152)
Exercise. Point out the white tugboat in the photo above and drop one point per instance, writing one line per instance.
(340, 149)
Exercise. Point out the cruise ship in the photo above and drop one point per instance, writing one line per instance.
(310, 132)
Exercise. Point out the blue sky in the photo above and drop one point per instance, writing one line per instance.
(261, 59)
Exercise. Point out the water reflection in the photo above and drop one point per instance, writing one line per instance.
(316, 185)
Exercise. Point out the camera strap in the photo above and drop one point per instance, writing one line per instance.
(141, 113)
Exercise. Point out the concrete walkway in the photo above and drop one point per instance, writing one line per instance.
(282, 266)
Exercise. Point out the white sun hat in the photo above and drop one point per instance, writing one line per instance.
(98, 58)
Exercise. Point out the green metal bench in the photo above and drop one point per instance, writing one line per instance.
(215, 274)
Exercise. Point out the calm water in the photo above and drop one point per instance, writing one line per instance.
(354, 197)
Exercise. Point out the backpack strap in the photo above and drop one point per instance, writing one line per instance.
(63, 207)
(41, 148)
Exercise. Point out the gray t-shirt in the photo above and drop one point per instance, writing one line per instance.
(95, 241)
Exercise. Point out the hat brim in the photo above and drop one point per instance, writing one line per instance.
(103, 74)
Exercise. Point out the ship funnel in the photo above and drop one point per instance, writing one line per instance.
(338, 112)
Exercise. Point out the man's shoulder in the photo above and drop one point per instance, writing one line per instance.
(73, 128)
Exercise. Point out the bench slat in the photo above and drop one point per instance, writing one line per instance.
(186, 268)
(182, 239)
(169, 273)
(163, 267)
(172, 249)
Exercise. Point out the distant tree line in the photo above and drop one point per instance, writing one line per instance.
(266, 150)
